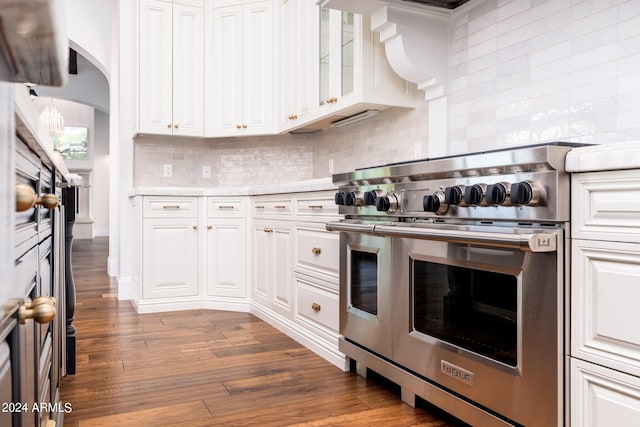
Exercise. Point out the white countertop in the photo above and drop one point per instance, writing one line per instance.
(605, 157)
(288, 187)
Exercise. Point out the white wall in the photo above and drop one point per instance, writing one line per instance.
(531, 71)
(101, 175)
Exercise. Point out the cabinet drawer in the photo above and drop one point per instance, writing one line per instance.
(605, 293)
(272, 206)
(319, 250)
(175, 207)
(606, 206)
(226, 207)
(315, 207)
(602, 397)
(317, 305)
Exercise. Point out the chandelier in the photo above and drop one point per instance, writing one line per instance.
(52, 120)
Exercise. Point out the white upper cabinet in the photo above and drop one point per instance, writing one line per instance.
(171, 67)
(348, 71)
(240, 66)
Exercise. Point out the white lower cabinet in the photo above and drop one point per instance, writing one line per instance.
(273, 266)
(602, 397)
(169, 257)
(605, 290)
(227, 257)
(193, 254)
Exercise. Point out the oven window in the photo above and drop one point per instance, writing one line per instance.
(364, 281)
(473, 309)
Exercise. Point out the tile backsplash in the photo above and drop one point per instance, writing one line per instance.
(389, 137)
(531, 71)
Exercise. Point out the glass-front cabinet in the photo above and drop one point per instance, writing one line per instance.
(337, 55)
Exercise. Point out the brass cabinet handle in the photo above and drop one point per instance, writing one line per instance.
(41, 309)
(171, 207)
(316, 307)
(259, 207)
(280, 207)
(226, 207)
(209, 227)
(268, 230)
(26, 198)
(315, 206)
(316, 251)
(176, 126)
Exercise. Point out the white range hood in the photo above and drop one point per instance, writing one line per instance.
(416, 38)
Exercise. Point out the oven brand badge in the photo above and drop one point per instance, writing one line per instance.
(456, 372)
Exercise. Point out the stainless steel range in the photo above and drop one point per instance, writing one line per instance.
(453, 280)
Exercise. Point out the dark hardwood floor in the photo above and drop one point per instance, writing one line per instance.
(208, 368)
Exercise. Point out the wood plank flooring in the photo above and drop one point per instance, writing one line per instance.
(208, 368)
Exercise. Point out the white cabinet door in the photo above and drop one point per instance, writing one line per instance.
(188, 70)
(169, 257)
(226, 257)
(602, 397)
(273, 265)
(242, 67)
(171, 68)
(155, 78)
(298, 55)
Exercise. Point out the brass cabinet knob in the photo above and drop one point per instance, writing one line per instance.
(41, 309)
(316, 307)
(316, 251)
(268, 230)
(209, 227)
(176, 126)
(169, 125)
(238, 126)
(26, 198)
(195, 227)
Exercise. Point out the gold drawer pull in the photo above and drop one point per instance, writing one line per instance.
(226, 207)
(268, 230)
(26, 199)
(316, 307)
(209, 227)
(171, 207)
(280, 207)
(316, 251)
(259, 207)
(315, 206)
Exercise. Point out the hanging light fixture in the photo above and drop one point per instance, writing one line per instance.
(52, 120)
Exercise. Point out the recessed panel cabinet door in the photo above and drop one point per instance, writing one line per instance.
(226, 254)
(188, 70)
(156, 53)
(262, 262)
(170, 258)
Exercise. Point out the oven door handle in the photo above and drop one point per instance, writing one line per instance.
(350, 227)
(534, 242)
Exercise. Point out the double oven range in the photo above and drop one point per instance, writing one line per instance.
(452, 281)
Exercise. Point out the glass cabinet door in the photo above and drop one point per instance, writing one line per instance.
(337, 39)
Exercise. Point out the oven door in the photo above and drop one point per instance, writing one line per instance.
(479, 313)
(365, 292)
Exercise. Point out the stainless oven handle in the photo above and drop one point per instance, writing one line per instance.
(350, 227)
(534, 242)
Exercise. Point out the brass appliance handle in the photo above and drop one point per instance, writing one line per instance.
(26, 198)
(41, 309)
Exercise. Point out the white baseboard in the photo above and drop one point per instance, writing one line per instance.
(101, 232)
(194, 303)
(327, 350)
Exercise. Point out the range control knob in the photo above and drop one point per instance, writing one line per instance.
(525, 193)
(435, 203)
(453, 195)
(388, 203)
(371, 196)
(354, 198)
(498, 194)
(474, 195)
(340, 197)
